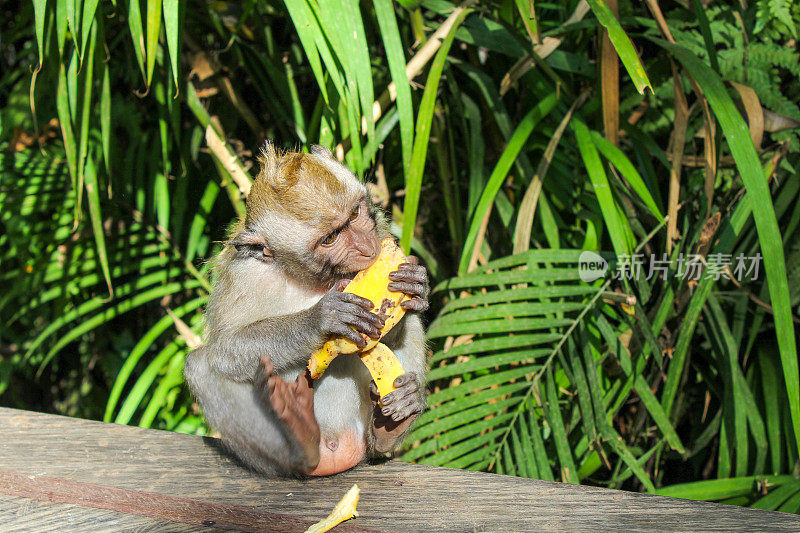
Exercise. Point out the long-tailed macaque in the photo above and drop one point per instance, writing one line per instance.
(309, 227)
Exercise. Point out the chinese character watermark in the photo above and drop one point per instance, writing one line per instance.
(689, 267)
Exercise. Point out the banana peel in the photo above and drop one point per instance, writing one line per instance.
(344, 510)
(384, 367)
(372, 284)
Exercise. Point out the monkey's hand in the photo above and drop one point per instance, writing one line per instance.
(337, 311)
(411, 278)
(400, 408)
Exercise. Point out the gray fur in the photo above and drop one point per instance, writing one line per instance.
(259, 308)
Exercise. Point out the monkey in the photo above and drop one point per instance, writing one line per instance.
(309, 227)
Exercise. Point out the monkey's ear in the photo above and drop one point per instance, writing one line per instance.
(321, 150)
(252, 244)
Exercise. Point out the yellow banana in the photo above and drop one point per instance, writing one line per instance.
(384, 366)
(371, 284)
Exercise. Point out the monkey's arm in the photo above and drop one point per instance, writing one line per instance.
(391, 422)
(289, 340)
(286, 339)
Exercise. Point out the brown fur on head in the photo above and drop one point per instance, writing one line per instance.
(300, 185)
(310, 215)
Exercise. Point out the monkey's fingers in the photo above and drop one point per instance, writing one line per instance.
(405, 384)
(343, 330)
(277, 391)
(304, 382)
(364, 321)
(374, 394)
(409, 379)
(406, 408)
(304, 390)
(358, 300)
(417, 305)
(405, 401)
(263, 373)
(410, 273)
(266, 364)
(411, 289)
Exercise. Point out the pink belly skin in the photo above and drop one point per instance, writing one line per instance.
(339, 454)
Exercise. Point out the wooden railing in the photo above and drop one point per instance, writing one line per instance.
(62, 474)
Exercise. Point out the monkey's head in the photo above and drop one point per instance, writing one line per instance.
(308, 214)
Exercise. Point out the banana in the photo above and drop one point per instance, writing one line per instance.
(371, 284)
(384, 366)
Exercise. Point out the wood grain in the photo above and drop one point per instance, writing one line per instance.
(188, 472)
(24, 515)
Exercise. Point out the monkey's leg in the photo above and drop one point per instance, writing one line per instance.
(243, 415)
(293, 403)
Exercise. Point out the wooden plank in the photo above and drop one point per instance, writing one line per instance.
(159, 506)
(395, 495)
(23, 515)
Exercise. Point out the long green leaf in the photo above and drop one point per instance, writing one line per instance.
(747, 162)
(618, 227)
(500, 172)
(39, 13)
(384, 12)
(172, 29)
(622, 44)
(422, 136)
(137, 34)
(153, 32)
(717, 489)
(626, 168)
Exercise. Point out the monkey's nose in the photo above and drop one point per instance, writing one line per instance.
(366, 248)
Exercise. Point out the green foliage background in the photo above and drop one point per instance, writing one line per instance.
(129, 131)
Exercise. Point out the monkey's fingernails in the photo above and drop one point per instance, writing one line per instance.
(376, 322)
(365, 303)
(341, 284)
(415, 304)
(401, 380)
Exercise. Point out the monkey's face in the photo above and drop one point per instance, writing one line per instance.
(308, 215)
(351, 244)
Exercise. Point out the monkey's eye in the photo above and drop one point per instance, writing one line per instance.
(331, 238)
(355, 212)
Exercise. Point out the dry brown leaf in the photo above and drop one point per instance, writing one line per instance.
(527, 209)
(677, 141)
(753, 110)
(609, 81)
(192, 339)
(228, 159)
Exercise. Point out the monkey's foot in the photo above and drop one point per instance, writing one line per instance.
(293, 403)
(398, 409)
